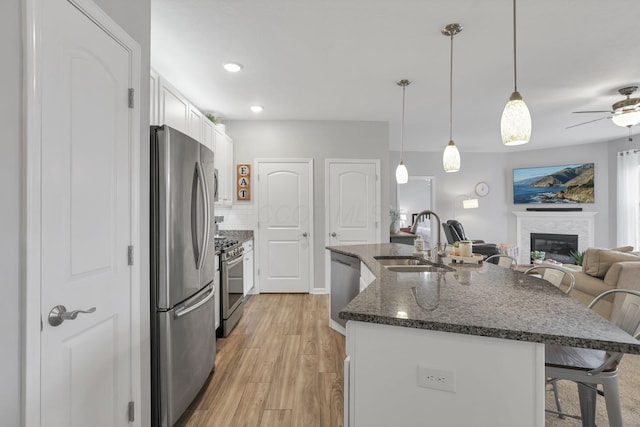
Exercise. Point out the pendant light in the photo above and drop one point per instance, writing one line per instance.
(515, 125)
(451, 155)
(402, 175)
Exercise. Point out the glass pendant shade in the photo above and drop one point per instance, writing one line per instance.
(626, 118)
(451, 158)
(515, 125)
(402, 174)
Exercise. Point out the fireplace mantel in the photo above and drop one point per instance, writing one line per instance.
(580, 223)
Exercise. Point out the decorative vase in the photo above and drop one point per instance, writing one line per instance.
(395, 227)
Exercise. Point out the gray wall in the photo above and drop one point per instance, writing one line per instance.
(134, 16)
(319, 140)
(450, 188)
(494, 221)
(11, 212)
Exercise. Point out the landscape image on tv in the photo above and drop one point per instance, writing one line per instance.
(554, 184)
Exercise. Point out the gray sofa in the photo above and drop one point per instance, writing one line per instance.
(605, 269)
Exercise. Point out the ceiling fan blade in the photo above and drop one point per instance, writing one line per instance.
(590, 121)
(594, 111)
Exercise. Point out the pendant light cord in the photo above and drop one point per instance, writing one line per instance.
(404, 86)
(451, 92)
(515, 73)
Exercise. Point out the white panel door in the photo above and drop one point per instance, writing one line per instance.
(285, 194)
(353, 202)
(86, 362)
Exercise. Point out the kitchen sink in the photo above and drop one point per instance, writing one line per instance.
(402, 261)
(419, 269)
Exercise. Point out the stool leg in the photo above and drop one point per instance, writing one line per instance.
(612, 400)
(587, 397)
(556, 395)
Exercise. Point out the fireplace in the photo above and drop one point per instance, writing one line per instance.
(557, 247)
(577, 223)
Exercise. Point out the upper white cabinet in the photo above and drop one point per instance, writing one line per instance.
(173, 108)
(223, 161)
(195, 123)
(153, 101)
(169, 107)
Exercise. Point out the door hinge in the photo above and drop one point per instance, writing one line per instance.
(131, 412)
(130, 255)
(131, 91)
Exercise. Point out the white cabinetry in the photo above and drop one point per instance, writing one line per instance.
(247, 273)
(153, 98)
(169, 107)
(194, 126)
(223, 161)
(173, 107)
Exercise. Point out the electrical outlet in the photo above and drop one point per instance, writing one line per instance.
(436, 379)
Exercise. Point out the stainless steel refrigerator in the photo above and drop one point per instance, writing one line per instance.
(182, 271)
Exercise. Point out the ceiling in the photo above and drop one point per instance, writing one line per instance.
(340, 59)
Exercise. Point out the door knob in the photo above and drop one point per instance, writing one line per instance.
(304, 234)
(59, 314)
(333, 234)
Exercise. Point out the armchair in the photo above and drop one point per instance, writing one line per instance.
(455, 233)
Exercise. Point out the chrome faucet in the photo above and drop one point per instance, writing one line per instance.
(414, 227)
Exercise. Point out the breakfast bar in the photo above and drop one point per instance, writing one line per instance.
(457, 344)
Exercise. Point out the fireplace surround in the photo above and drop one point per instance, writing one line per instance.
(581, 224)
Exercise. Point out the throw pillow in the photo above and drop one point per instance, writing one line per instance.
(596, 261)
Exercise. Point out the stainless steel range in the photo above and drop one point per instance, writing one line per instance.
(231, 278)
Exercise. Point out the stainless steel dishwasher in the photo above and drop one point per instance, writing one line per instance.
(345, 283)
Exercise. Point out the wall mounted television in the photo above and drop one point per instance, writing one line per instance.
(561, 184)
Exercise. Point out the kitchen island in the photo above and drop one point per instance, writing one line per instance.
(457, 346)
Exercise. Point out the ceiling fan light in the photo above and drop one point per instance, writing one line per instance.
(515, 125)
(451, 158)
(402, 174)
(626, 118)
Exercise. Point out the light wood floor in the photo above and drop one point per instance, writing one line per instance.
(281, 366)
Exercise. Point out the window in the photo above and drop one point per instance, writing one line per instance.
(628, 216)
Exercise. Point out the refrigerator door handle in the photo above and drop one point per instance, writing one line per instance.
(199, 180)
(207, 214)
(182, 311)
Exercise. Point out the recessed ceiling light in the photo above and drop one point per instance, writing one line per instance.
(232, 67)
(257, 108)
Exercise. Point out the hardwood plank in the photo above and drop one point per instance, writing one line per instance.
(331, 400)
(306, 408)
(281, 394)
(232, 386)
(276, 418)
(251, 407)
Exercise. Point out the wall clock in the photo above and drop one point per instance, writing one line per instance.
(482, 189)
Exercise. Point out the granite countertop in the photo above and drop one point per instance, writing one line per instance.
(484, 300)
(241, 235)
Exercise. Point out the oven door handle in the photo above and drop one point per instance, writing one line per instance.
(234, 261)
(186, 310)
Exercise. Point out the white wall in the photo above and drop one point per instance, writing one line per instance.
(135, 17)
(494, 221)
(307, 139)
(11, 212)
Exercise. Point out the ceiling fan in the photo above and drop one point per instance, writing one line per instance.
(625, 113)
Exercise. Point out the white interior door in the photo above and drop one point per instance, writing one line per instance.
(285, 206)
(86, 184)
(353, 196)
